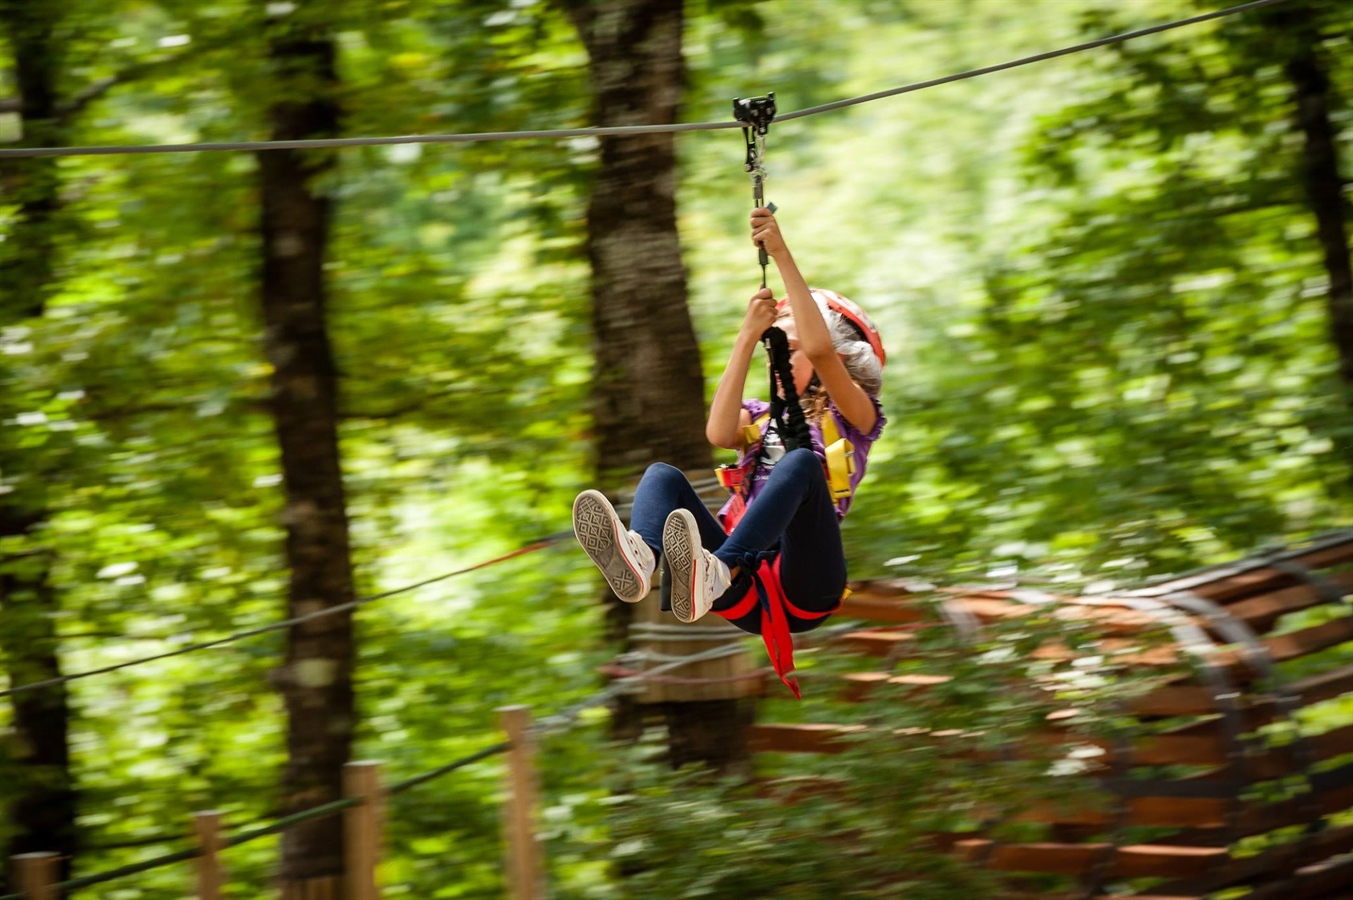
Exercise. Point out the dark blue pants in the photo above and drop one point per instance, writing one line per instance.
(794, 510)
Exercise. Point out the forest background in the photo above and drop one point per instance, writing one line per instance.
(1120, 337)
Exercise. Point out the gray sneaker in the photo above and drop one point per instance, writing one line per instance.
(620, 554)
(697, 577)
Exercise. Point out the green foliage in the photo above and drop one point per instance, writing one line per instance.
(1133, 369)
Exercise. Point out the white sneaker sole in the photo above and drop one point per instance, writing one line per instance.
(680, 546)
(599, 530)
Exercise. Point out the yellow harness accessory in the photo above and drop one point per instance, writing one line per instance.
(840, 458)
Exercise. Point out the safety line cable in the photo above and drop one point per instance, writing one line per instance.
(541, 544)
(618, 130)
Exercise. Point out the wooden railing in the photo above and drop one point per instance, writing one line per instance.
(1199, 782)
(363, 808)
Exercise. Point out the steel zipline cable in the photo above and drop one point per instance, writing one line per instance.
(541, 544)
(621, 130)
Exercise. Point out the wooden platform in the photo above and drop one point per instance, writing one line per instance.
(1279, 640)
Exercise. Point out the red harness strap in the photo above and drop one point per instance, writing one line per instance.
(767, 590)
(775, 612)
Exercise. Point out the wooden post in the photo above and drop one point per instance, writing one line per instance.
(362, 829)
(210, 875)
(525, 879)
(36, 875)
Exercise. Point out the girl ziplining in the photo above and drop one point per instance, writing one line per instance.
(772, 562)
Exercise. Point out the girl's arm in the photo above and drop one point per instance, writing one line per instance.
(726, 415)
(814, 338)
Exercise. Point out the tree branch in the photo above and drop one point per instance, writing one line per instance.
(93, 92)
(132, 72)
(77, 104)
(121, 413)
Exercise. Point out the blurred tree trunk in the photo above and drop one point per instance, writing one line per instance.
(43, 802)
(1322, 180)
(649, 395)
(649, 392)
(316, 682)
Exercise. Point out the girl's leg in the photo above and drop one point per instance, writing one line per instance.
(794, 508)
(662, 489)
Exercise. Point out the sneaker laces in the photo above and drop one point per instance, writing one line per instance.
(717, 580)
(641, 553)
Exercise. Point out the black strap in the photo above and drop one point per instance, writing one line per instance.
(784, 396)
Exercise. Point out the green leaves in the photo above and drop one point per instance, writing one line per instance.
(1146, 380)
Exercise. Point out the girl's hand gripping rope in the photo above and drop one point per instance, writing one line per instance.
(766, 232)
(760, 314)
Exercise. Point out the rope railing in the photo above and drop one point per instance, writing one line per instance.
(622, 130)
(121, 872)
(409, 784)
(275, 827)
(560, 722)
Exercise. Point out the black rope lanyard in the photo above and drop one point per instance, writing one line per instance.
(756, 114)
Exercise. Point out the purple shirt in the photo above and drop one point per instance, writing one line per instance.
(770, 450)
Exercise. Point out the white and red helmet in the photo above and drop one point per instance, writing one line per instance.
(852, 311)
